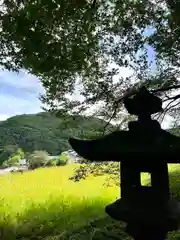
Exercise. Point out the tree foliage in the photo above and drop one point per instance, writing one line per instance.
(7, 152)
(110, 169)
(89, 43)
(62, 159)
(45, 131)
(37, 159)
(11, 156)
(12, 161)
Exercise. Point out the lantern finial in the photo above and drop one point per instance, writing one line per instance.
(143, 103)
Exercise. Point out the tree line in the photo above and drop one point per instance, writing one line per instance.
(45, 131)
(12, 156)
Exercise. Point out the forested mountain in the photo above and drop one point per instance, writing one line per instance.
(44, 131)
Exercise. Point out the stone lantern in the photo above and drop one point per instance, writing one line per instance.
(148, 211)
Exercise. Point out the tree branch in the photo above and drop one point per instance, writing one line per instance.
(94, 4)
(130, 92)
(166, 88)
(172, 98)
(113, 115)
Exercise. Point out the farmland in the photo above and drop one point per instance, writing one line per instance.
(45, 204)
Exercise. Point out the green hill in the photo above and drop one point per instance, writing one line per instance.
(44, 131)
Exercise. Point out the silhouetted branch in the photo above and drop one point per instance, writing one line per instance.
(135, 89)
(167, 108)
(113, 116)
(130, 92)
(94, 4)
(162, 114)
(166, 88)
(172, 98)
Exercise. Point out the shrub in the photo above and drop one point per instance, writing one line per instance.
(12, 161)
(54, 163)
(50, 163)
(37, 159)
(98, 169)
(62, 160)
(83, 160)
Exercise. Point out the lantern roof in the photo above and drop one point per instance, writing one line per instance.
(145, 140)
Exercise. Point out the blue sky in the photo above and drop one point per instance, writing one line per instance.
(19, 94)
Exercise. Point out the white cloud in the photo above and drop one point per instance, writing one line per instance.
(19, 94)
(3, 117)
(166, 124)
(21, 80)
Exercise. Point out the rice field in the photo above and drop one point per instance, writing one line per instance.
(44, 203)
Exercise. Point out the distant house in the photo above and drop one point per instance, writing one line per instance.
(22, 162)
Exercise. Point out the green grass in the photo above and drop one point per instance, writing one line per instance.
(44, 204)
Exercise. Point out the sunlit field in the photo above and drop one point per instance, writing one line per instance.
(44, 203)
